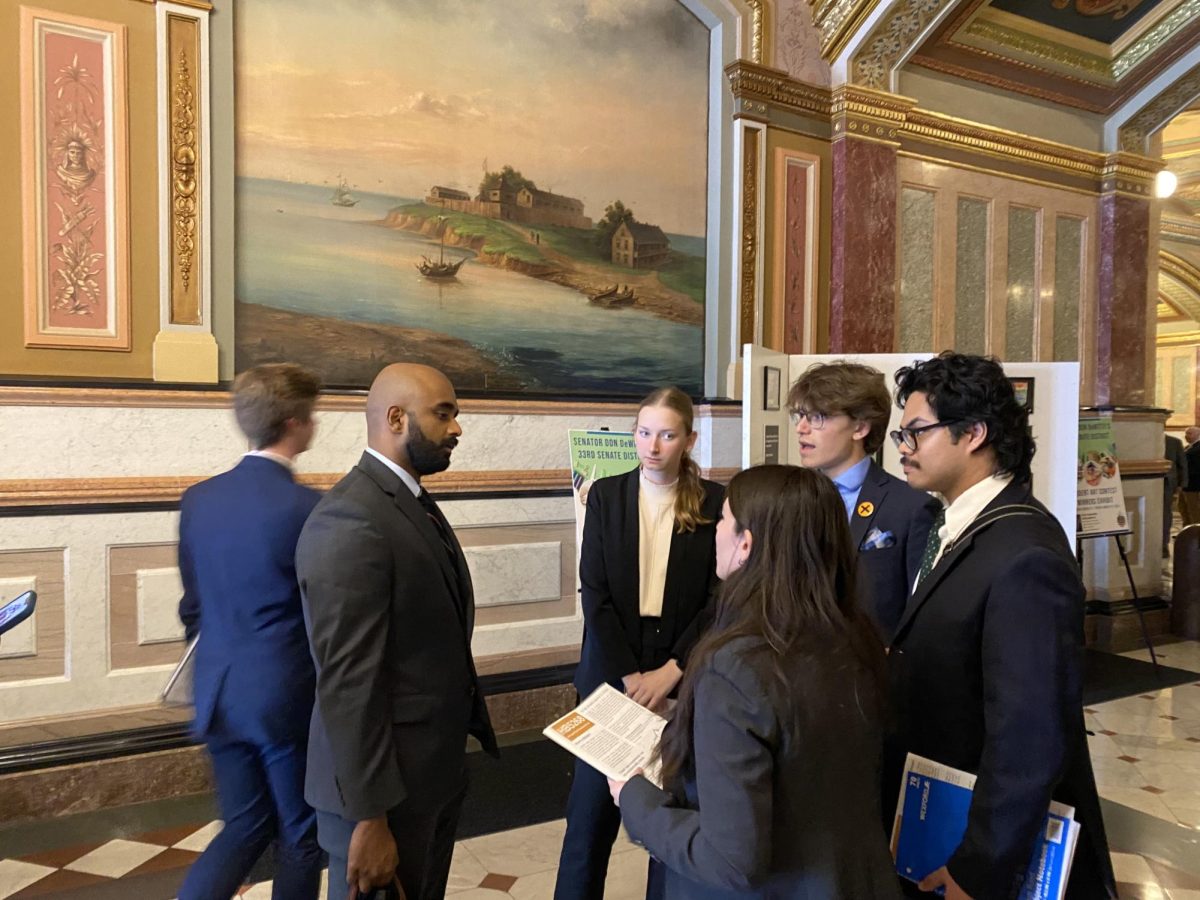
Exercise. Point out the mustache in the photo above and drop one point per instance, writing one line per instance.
(450, 442)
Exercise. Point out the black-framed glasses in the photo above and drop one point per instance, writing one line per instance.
(816, 420)
(908, 436)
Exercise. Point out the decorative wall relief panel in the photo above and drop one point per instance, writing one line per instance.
(74, 168)
(139, 609)
(516, 192)
(186, 172)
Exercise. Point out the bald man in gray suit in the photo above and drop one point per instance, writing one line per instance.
(390, 611)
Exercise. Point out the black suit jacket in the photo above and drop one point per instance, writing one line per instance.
(986, 673)
(609, 580)
(390, 617)
(886, 573)
(1192, 456)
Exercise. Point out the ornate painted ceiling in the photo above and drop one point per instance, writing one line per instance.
(1086, 54)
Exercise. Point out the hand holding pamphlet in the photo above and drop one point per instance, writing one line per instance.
(612, 734)
(931, 818)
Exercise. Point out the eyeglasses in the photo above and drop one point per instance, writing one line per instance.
(816, 420)
(908, 436)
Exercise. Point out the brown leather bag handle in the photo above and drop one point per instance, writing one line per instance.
(395, 883)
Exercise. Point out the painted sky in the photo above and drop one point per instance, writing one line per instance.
(598, 99)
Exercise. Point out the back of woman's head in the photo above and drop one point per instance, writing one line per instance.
(794, 598)
(799, 578)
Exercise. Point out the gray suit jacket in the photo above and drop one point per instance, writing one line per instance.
(389, 618)
(762, 813)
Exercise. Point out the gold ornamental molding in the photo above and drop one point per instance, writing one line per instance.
(869, 114)
(839, 21)
(183, 62)
(751, 137)
(1179, 269)
(1134, 134)
(1178, 339)
(1129, 174)
(763, 85)
(57, 492)
(168, 489)
(1180, 230)
(188, 399)
(891, 39)
(758, 28)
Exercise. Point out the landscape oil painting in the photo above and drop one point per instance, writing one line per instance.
(512, 190)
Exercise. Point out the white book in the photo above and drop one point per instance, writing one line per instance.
(612, 734)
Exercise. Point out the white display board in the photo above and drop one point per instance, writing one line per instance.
(1055, 417)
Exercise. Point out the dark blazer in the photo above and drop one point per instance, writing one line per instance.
(609, 580)
(766, 810)
(1192, 456)
(886, 573)
(237, 544)
(390, 620)
(986, 671)
(1174, 451)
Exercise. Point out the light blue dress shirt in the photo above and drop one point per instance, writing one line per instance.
(850, 482)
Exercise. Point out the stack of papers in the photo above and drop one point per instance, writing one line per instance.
(612, 734)
(931, 818)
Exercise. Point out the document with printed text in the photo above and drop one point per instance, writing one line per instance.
(612, 734)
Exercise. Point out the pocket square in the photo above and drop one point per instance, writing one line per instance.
(877, 540)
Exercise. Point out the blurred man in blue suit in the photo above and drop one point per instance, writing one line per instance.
(254, 678)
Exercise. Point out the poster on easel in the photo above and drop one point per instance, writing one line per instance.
(1100, 505)
(596, 454)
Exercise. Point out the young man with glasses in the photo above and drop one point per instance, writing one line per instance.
(986, 664)
(840, 412)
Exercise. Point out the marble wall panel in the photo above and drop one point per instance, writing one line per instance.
(971, 283)
(1022, 289)
(40, 653)
(1068, 286)
(515, 573)
(917, 275)
(1124, 331)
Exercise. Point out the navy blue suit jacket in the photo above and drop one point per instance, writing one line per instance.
(237, 548)
(886, 573)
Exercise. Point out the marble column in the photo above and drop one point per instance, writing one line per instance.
(864, 216)
(1124, 303)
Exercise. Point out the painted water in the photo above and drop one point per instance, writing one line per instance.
(296, 251)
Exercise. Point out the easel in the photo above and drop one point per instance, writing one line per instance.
(1116, 536)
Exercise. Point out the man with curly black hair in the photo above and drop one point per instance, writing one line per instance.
(986, 665)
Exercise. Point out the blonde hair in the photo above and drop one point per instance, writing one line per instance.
(265, 397)
(689, 497)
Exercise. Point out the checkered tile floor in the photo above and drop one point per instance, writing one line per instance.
(1145, 749)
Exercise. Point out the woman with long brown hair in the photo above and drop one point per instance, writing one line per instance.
(771, 762)
(647, 570)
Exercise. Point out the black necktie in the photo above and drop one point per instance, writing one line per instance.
(932, 547)
(439, 524)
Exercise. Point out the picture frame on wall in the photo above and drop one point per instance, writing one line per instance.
(74, 181)
(1023, 388)
(772, 388)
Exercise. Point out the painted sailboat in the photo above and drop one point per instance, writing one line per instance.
(341, 194)
(441, 268)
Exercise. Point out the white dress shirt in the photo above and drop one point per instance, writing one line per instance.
(274, 457)
(411, 483)
(966, 509)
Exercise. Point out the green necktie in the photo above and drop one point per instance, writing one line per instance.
(932, 546)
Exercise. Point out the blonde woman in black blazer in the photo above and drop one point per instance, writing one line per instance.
(647, 569)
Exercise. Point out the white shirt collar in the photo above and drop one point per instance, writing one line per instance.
(970, 503)
(411, 483)
(274, 457)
